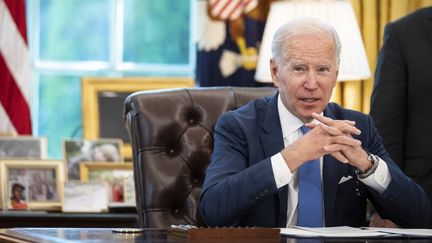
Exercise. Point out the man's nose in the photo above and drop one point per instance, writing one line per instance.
(311, 81)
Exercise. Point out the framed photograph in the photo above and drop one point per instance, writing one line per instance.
(23, 147)
(114, 175)
(79, 197)
(98, 150)
(129, 190)
(103, 101)
(40, 182)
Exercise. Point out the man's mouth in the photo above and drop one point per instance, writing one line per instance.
(309, 100)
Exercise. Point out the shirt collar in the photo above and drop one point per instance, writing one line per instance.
(288, 121)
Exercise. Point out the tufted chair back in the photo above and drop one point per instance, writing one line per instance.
(171, 133)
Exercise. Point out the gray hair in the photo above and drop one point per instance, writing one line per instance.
(303, 26)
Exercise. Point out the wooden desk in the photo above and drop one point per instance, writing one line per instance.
(9, 219)
(148, 235)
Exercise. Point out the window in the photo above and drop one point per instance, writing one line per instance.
(70, 39)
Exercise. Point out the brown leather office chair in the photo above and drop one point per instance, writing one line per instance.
(171, 133)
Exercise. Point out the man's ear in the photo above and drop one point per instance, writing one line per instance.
(274, 71)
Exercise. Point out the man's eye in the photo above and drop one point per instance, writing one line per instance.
(323, 69)
(299, 69)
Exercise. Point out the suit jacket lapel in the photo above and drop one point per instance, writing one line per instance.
(272, 142)
(332, 173)
(271, 131)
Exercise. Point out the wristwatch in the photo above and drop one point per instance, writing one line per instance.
(371, 169)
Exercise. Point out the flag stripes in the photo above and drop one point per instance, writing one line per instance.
(15, 78)
(231, 9)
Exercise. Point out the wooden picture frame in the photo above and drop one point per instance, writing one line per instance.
(96, 150)
(23, 147)
(7, 134)
(113, 174)
(43, 180)
(97, 91)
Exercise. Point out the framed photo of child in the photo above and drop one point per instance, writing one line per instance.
(37, 183)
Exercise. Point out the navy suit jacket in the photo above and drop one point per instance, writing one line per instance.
(239, 188)
(401, 99)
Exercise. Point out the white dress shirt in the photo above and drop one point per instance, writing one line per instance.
(290, 124)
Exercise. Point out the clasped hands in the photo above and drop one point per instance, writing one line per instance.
(334, 137)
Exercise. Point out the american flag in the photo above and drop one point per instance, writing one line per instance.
(230, 9)
(15, 69)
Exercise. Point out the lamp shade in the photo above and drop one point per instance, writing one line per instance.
(339, 14)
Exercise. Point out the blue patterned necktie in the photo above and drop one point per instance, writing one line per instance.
(310, 196)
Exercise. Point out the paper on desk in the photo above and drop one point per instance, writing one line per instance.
(297, 232)
(342, 231)
(404, 232)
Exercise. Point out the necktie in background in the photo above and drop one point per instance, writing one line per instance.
(310, 203)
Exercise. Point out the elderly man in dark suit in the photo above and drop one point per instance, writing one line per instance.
(402, 96)
(296, 159)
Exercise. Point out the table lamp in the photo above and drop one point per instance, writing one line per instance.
(339, 14)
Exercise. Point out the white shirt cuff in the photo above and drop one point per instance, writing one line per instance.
(380, 179)
(281, 172)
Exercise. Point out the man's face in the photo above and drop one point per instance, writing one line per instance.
(306, 77)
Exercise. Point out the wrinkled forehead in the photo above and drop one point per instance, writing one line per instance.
(320, 47)
(310, 42)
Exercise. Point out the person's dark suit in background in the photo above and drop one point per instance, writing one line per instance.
(401, 102)
(252, 178)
